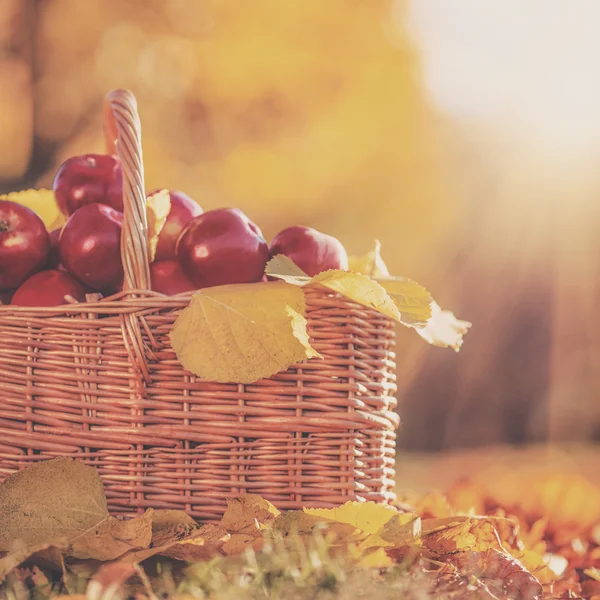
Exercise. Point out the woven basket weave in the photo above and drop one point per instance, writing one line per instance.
(99, 381)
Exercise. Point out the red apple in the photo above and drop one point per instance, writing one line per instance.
(168, 278)
(89, 179)
(222, 246)
(313, 251)
(90, 247)
(183, 210)
(48, 288)
(24, 244)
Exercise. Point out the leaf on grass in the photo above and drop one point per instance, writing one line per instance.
(503, 575)
(59, 498)
(158, 207)
(112, 538)
(22, 552)
(458, 534)
(107, 583)
(368, 516)
(171, 526)
(204, 544)
(299, 523)
(42, 202)
(370, 264)
(242, 333)
(444, 329)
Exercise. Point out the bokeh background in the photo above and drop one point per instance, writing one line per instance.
(463, 135)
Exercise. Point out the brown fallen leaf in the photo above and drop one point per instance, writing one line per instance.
(502, 574)
(171, 525)
(206, 543)
(248, 514)
(21, 553)
(112, 538)
(51, 500)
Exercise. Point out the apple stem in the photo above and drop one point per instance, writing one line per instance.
(3, 226)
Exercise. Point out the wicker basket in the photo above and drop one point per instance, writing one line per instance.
(99, 381)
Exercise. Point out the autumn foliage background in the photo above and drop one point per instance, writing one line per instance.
(366, 120)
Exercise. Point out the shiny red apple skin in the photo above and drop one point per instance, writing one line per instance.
(24, 244)
(183, 210)
(167, 277)
(90, 247)
(313, 251)
(222, 246)
(48, 288)
(89, 179)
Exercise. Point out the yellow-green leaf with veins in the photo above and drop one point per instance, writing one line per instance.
(283, 267)
(414, 306)
(242, 333)
(412, 300)
(361, 289)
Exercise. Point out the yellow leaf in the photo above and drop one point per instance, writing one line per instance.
(370, 264)
(299, 523)
(412, 300)
(242, 333)
(283, 267)
(361, 289)
(368, 516)
(41, 202)
(158, 207)
(458, 534)
(444, 329)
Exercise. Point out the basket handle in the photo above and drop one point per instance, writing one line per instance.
(123, 137)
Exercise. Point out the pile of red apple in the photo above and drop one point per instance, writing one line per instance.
(195, 249)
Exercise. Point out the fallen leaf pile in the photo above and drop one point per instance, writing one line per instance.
(56, 534)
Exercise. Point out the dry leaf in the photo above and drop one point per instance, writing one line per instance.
(59, 498)
(171, 526)
(299, 523)
(248, 514)
(446, 536)
(158, 207)
(444, 329)
(370, 264)
(112, 538)
(22, 552)
(204, 544)
(503, 575)
(42, 202)
(242, 333)
(368, 516)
